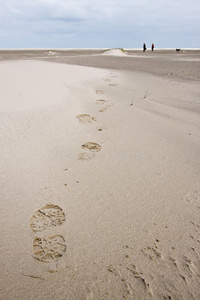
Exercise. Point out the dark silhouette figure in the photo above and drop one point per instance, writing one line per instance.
(152, 47)
(144, 47)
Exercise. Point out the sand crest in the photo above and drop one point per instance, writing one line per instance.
(114, 52)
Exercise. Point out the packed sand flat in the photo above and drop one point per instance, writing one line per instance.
(100, 168)
(168, 63)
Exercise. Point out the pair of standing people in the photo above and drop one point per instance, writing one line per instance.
(144, 47)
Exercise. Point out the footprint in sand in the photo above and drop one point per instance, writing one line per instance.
(47, 216)
(49, 249)
(84, 118)
(99, 92)
(106, 79)
(106, 104)
(102, 101)
(112, 84)
(91, 146)
(104, 108)
(85, 156)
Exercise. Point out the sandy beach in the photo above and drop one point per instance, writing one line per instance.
(100, 175)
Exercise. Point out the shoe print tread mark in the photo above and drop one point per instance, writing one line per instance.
(85, 156)
(105, 104)
(84, 118)
(102, 101)
(91, 146)
(113, 84)
(99, 92)
(49, 249)
(47, 216)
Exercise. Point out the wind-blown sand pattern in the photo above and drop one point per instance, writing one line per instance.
(47, 216)
(132, 194)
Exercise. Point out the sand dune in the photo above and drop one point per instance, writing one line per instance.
(115, 52)
(100, 193)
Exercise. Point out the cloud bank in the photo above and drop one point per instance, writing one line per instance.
(90, 24)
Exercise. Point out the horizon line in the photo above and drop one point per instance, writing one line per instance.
(61, 49)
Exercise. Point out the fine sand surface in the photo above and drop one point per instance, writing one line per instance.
(100, 175)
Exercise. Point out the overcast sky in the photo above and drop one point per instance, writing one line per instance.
(99, 23)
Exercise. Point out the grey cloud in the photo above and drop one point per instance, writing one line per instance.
(100, 21)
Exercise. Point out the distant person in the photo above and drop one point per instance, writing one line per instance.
(152, 47)
(144, 47)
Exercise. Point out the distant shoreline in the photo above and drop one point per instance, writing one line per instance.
(77, 49)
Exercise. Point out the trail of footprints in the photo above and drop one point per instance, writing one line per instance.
(90, 148)
(52, 248)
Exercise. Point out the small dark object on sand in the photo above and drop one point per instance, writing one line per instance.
(177, 49)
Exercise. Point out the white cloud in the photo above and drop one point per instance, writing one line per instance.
(87, 17)
(41, 9)
(143, 10)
